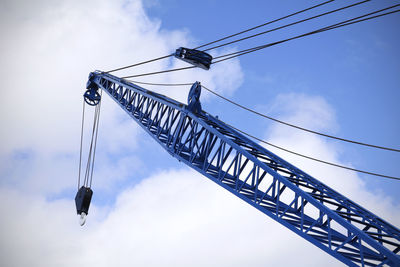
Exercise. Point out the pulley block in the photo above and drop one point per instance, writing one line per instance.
(92, 97)
(195, 57)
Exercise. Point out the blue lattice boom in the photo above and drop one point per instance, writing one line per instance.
(314, 211)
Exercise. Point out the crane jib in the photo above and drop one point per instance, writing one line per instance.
(300, 202)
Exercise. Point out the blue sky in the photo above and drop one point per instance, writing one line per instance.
(342, 82)
(356, 69)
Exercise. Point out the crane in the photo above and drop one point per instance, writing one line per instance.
(293, 198)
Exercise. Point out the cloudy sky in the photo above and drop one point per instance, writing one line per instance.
(148, 209)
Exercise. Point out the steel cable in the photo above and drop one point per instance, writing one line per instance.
(315, 159)
(161, 84)
(296, 126)
(140, 63)
(224, 38)
(95, 142)
(272, 118)
(287, 25)
(92, 149)
(327, 28)
(281, 148)
(254, 49)
(80, 150)
(264, 24)
(158, 72)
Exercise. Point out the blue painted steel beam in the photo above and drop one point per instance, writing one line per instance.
(280, 190)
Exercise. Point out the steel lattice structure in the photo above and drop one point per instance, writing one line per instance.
(285, 193)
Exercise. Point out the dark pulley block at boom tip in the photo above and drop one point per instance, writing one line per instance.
(92, 96)
(195, 57)
(82, 202)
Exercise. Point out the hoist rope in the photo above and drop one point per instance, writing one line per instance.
(297, 127)
(327, 28)
(95, 142)
(88, 178)
(80, 150)
(315, 159)
(264, 24)
(287, 25)
(158, 72)
(351, 21)
(272, 118)
(224, 38)
(253, 49)
(140, 63)
(161, 84)
(89, 161)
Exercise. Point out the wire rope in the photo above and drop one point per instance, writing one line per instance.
(287, 25)
(161, 84)
(314, 159)
(272, 118)
(265, 24)
(254, 49)
(140, 63)
(159, 72)
(327, 28)
(92, 149)
(296, 126)
(224, 38)
(95, 142)
(88, 163)
(80, 150)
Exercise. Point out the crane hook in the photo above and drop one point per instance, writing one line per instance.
(82, 202)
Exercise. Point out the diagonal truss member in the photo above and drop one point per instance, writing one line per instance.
(288, 195)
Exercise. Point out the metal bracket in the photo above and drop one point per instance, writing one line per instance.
(92, 96)
(194, 104)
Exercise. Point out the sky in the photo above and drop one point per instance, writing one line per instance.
(148, 209)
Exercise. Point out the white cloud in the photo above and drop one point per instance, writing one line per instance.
(48, 55)
(48, 50)
(315, 113)
(175, 217)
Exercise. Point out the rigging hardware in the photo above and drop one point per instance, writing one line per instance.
(82, 202)
(298, 201)
(195, 57)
